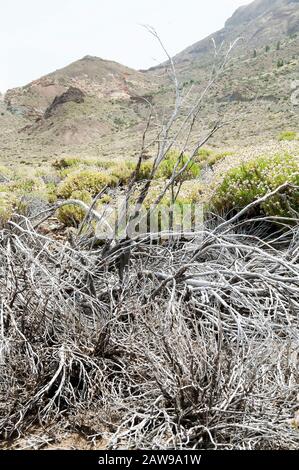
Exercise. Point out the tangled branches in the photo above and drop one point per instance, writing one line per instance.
(208, 359)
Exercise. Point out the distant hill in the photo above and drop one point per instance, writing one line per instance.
(98, 107)
(51, 107)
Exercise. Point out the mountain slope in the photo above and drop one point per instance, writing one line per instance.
(256, 86)
(49, 116)
(98, 107)
(258, 24)
(92, 75)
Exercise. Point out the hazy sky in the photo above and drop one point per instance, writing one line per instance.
(39, 36)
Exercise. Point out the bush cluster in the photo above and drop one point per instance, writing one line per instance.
(206, 157)
(174, 161)
(90, 180)
(250, 181)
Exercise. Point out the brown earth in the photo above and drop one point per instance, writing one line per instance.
(38, 124)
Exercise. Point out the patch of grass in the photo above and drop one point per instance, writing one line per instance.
(190, 192)
(6, 207)
(51, 191)
(145, 170)
(204, 153)
(206, 157)
(122, 171)
(105, 199)
(27, 193)
(288, 136)
(26, 185)
(255, 179)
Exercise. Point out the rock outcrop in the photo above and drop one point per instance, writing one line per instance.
(71, 95)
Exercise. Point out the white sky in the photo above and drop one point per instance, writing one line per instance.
(40, 36)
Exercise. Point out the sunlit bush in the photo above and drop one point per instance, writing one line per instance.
(288, 135)
(90, 180)
(73, 215)
(122, 171)
(26, 185)
(252, 180)
(6, 207)
(206, 157)
(66, 162)
(174, 161)
(189, 192)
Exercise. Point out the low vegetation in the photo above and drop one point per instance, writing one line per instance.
(288, 135)
(6, 208)
(209, 158)
(71, 215)
(253, 180)
(90, 180)
(83, 179)
(174, 161)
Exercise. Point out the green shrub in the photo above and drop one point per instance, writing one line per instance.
(122, 171)
(255, 179)
(105, 199)
(206, 157)
(66, 165)
(169, 163)
(5, 173)
(27, 193)
(25, 185)
(30, 189)
(71, 215)
(90, 180)
(204, 153)
(145, 170)
(190, 192)
(6, 207)
(51, 191)
(66, 162)
(288, 135)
